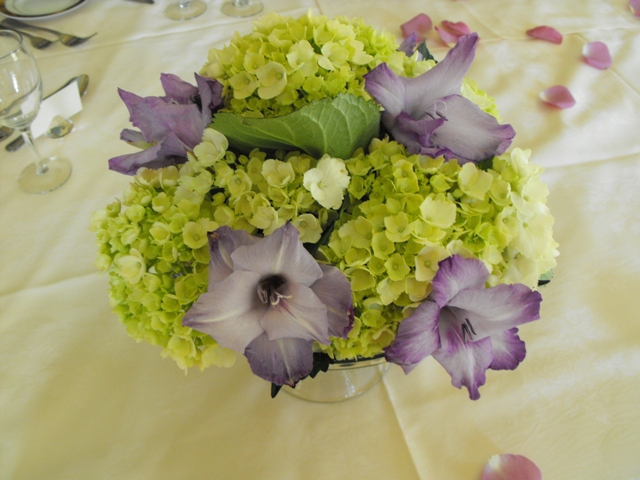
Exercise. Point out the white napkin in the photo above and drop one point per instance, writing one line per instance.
(65, 103)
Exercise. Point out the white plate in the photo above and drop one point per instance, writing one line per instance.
(37, 9)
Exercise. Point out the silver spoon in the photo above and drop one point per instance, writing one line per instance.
(83, 83)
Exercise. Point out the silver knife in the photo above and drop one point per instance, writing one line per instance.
(83, 83)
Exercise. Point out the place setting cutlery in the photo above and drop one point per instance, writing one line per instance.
(65, 38)
(36, 42)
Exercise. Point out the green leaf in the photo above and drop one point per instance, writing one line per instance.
(545, 278)
(333, 217)
(485, 164)
(426, 54)
(335, 126)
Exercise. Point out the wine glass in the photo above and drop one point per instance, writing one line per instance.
(20, 97)
(185, 10)
(241, 8)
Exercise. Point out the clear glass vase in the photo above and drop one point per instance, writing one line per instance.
(343, 380)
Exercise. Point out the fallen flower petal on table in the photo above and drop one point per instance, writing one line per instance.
(420, 25)
(634, 5)
(548, 34)
(597, 55)
(451, 32)
(558, 96)
(511, 467)
(457, 28)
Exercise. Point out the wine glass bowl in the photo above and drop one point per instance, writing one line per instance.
(20, 98)
(20, 84)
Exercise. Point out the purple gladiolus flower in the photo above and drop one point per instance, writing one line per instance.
(429, 116)
(171, 125)
(408, 46)
(270, 299)
(466, 327)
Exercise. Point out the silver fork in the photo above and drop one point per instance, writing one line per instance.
(37, 42)
(65, 38)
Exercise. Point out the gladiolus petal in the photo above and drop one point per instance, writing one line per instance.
(282, 362)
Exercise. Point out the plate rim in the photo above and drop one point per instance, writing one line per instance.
(4, 11)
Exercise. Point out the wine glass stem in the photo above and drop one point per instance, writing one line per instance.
(241, 3)
(41, 166)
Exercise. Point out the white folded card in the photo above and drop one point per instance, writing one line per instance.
(65, 103)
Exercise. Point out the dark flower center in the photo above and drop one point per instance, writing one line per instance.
(268, 289)
(467, 330)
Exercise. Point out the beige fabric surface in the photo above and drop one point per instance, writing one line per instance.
(80, 400)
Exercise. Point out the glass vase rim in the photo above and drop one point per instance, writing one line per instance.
(17, 36)
(358, 362)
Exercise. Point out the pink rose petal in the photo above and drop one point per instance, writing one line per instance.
(458, 28)
(446, 37)
(597, 55)
(558, 96)
(450, 32)
(549, 34)
(511, 467)
(420, 25)
(634, 5)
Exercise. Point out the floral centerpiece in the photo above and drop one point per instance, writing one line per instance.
(323, 193)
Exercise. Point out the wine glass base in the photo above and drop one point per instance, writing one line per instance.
(57, 172)
(231, 9)
(189, 10)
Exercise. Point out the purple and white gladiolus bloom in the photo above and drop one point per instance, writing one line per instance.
(409, 44)
(466, 327)
(429, 116)
(269, 299)
(170, 125)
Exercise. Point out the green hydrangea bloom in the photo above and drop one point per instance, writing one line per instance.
(453, 210)
(401, 216)
(286, 63)
(154, 244)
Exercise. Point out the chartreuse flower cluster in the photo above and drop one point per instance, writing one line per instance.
(286, 63)
(388, 218)
(409, 212)
(154, 243)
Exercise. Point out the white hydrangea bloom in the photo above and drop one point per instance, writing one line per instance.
(213, 147)
(327, 182)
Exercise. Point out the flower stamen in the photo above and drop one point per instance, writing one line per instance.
(268, 290)
(467, 330)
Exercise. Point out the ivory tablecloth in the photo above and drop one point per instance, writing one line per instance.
(80, 400)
